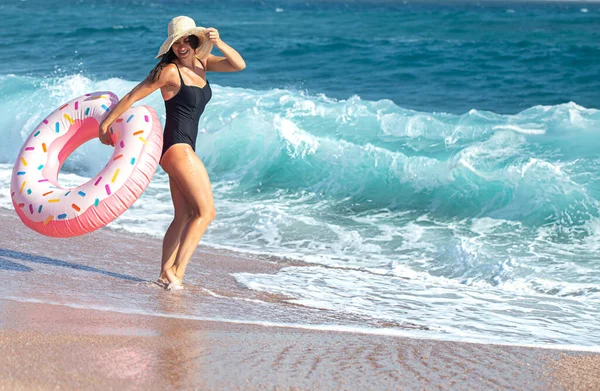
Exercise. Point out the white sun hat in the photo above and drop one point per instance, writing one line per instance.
(182, 26)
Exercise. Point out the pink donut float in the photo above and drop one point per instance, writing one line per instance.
(46, 207)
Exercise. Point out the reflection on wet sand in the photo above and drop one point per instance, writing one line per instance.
(50, 345)
(180, 362)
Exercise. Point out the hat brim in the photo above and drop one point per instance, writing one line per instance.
(204, 47)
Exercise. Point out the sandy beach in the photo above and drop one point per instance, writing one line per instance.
(84, 313)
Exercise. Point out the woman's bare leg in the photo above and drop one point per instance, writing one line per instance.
(173, 235)
(192, 179)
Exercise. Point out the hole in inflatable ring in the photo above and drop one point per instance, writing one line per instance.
(84, 163)
(77, 156)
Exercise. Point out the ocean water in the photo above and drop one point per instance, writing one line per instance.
(435, 163)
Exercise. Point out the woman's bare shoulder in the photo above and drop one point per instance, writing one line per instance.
(170, 69)
(168, 75)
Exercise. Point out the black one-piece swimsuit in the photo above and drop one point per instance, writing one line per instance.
(183, 114)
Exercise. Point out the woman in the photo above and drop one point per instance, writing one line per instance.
(181, 76)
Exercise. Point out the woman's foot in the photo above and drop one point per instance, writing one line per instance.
(174, 286)
(173, 283)
(163, 281)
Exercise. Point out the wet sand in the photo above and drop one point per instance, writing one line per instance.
(49, 346)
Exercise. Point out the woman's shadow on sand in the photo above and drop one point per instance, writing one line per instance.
(6, 264)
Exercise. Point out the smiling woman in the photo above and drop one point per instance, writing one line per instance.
(181, 76)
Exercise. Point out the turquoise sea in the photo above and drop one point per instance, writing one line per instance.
(437, 163)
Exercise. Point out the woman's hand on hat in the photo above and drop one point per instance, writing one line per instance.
(104, 135)
(213, 35)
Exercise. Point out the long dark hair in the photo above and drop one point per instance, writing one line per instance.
(168, 58)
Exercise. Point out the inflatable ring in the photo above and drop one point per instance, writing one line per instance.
(46, 207)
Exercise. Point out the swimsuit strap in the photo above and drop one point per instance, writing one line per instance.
(205, 71)
(180, 78)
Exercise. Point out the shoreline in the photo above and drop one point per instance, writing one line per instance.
(384, 332)
(218, 283)
(72, 308)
